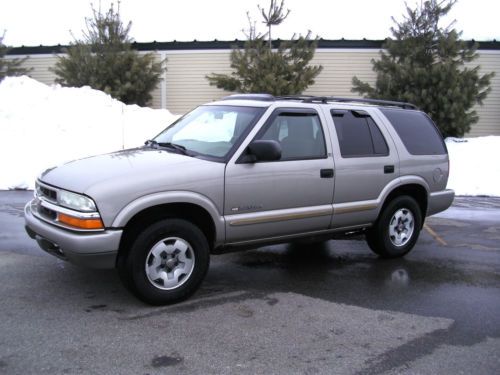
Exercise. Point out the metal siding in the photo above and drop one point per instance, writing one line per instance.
(338, 69)
(187, 87)
(40, 65)
(156, 93)
(489, 112)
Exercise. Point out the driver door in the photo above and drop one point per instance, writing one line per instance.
(288, 196)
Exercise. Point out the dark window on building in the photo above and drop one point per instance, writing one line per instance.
(300, 135)
(417, 131)
(358, 134)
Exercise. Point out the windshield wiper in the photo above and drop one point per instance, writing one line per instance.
(150, 142)
(174, 146)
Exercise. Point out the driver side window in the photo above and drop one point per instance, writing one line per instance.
(299, 133)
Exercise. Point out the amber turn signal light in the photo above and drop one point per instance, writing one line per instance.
(80, 223)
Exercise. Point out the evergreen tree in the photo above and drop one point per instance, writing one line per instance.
(425, 64)
(274, 16)
(105, 60)
(10, 67)
(259, 69)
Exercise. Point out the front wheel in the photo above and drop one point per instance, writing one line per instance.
(397, 228)
(166, 263)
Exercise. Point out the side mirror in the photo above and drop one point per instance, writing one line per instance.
(263, 150)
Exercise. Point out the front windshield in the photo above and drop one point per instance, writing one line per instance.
(210, 130)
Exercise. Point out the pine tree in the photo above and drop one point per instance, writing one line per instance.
(274, 16)
(425, 64)
(259, 69)
(10, 67)
(104, 60)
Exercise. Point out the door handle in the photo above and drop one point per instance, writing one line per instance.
(326, 173)
(388, 169)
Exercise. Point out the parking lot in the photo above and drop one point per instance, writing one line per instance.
(333, 308)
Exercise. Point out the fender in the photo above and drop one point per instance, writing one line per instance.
(401, 181)
(156, 199)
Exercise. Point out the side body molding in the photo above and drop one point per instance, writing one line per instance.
(353, 213)
(156, 199)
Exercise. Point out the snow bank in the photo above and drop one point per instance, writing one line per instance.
(474, 165)
(42, 126)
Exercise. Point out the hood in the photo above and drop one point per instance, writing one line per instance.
(144, 169)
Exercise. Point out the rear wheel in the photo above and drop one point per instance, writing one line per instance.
(166, 262)
(397, 228)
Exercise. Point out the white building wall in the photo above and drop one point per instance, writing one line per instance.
(184, 84)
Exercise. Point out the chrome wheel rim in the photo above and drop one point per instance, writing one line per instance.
(401, 227)
(170, 263)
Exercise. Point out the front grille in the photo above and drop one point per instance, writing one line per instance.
(46, 193)
(47, 213)
(49, 193)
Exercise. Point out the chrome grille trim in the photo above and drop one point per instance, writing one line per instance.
(45, 208)
(45, 192)
(35, 210)
(69, 212)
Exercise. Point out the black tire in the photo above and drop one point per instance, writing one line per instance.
(395, 217)
(155, 252)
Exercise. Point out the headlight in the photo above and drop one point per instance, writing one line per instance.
(75, 201)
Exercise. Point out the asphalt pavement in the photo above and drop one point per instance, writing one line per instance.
(332, 308)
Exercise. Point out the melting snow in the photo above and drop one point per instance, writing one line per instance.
(474, 165)
(42, 126)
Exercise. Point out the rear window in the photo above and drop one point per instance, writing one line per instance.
(417, 131)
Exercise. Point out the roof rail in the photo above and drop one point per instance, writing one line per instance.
(390, 103)
(260, 97)
(295, 97)
(320, 99)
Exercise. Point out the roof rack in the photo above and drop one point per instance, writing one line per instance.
(260, 97)
(320, 99)
(390, 103)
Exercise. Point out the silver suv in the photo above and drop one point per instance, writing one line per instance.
(242, 172)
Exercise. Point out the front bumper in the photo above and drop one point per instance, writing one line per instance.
(89, 249)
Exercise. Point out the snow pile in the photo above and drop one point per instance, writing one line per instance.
(42, 126)
(474, 165)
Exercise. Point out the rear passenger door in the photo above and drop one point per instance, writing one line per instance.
(285, 197)
(366, 161)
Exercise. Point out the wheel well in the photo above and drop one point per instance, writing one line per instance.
(415, 191)
(187, 211)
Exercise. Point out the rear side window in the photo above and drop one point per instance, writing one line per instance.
(358, 134)
(417, 131)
